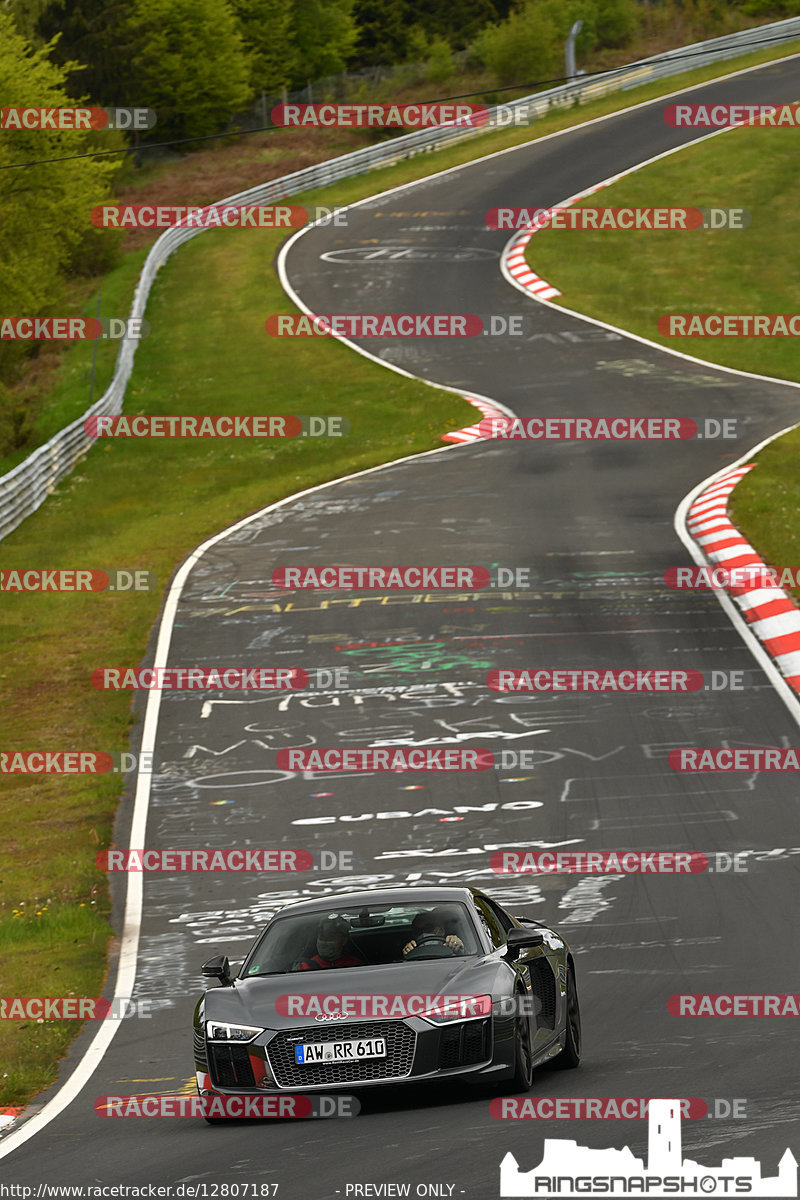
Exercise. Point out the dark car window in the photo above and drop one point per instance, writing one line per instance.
(490, 922)
(502, 917)
(376, 935)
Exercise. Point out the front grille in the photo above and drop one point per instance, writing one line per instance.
(199, 1047)
(544, 986)
(400, 1043)
(465, 1044)
(229, 1066)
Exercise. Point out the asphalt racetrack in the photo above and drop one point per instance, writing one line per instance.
(593, 521)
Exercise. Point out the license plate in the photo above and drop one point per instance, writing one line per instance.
(326, 1052)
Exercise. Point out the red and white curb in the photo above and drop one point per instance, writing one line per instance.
(473, 433)
(514, 260)
(8, 1116)
(772, 615)
(513, 256)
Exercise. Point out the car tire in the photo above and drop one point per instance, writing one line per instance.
(522, 1080)
(570, 1056)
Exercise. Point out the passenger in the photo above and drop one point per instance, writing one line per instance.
(332, 935)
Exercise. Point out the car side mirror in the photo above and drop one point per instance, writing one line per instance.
(218, 968)
(521, 939)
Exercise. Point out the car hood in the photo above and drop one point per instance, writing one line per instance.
(292, 1000)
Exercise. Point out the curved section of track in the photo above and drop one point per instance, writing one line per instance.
(593, 522)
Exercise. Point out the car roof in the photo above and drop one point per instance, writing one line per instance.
(395, 895)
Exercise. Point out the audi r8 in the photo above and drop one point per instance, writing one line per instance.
(389, 986)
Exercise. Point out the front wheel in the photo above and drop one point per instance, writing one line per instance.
(570, 1056)
(523, 1056)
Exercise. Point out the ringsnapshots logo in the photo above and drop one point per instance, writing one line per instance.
(62, 119)
(569, 1170)
(72, 329)
(224, 425)
(615, 219)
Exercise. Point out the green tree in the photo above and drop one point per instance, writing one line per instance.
(385, 32)
(325, 34)
(96, 44)
(523, 48)
(186, 59)
(190, 65)
(45, 227)
(266, 29)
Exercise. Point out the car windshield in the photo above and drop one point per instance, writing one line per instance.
(362, 935)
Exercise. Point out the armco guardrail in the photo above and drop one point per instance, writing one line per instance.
(27, 486)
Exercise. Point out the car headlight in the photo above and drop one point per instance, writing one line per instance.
(221, 1031)
(457, 1008)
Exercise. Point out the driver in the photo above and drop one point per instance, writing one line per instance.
(332, 934)
(432, 924)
